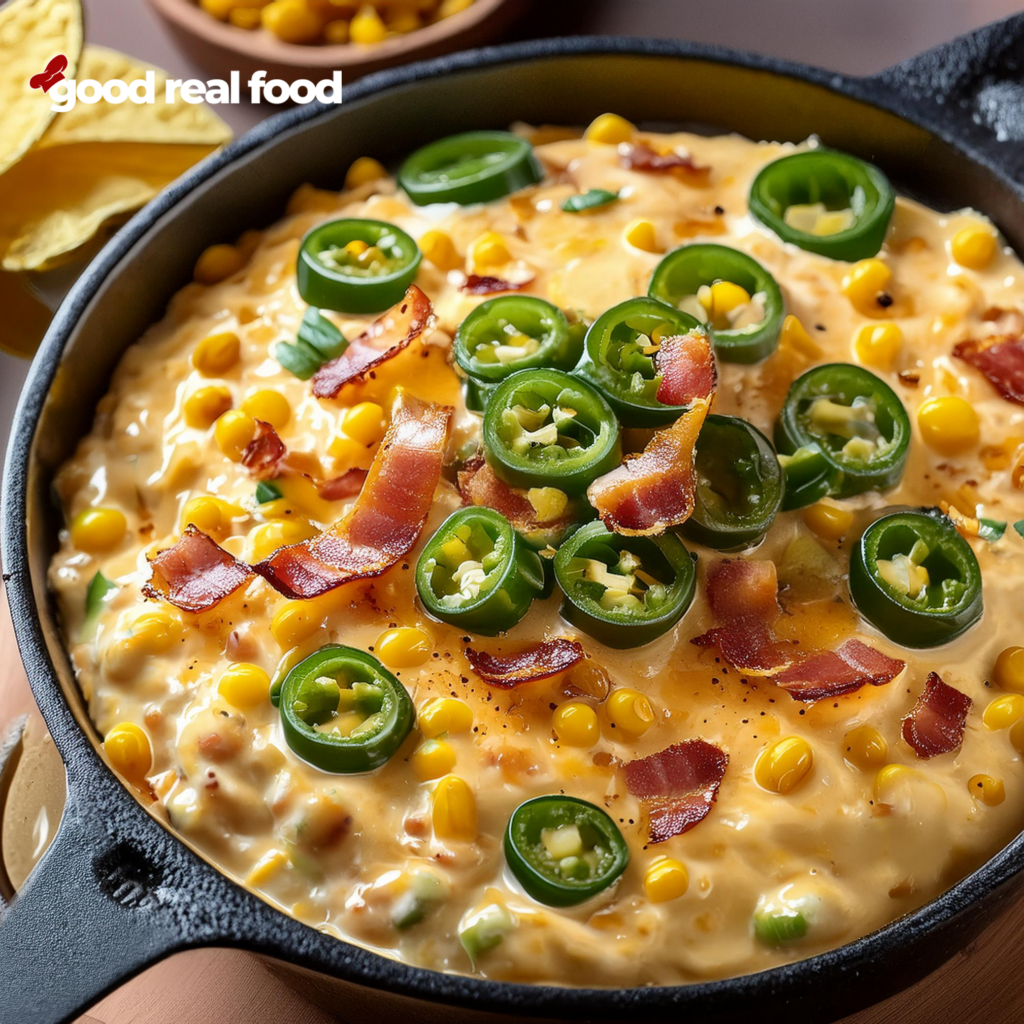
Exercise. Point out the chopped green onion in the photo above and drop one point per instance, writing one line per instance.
(991, 529)
(318, 342)
(1019, 526)
(100, 589)
(589, 200)
(267, 490)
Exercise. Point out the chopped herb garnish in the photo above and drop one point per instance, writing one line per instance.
(592, 199)
(318, 342)
(267, 490)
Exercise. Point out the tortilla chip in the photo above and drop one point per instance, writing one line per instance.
(32, 32)
(25, 316)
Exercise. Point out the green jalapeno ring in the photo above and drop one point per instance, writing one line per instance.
(474, 167)
(810, 476)
(500, 585)
(353, 289)
(900, 545)
(563, 850)
(594, 602)
(739, 485)
(614, 362)
(306, 700)
(877, 443)
(683, 271)
(838, 180)
(569, 438)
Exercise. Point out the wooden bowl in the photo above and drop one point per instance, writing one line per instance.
(223, 48)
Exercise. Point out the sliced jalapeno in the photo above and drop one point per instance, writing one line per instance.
(739, 485)
(854, 420)
(474, 167)
(545, 428)
(343, 712)
(810, 476)
(826, 202)
(623, 591)
(916, 579)
(356, 265)
(619, 358)
(563, 850)
(727, 291)
(477, 573)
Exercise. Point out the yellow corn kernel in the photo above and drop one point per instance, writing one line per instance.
(665, 879)
(489, 250)
(336, 32)
(641, 234)
(974, 247)
(1004, 711)
(438, 248)
(203, 406)
(219, 9)
(270, 406)
(367, 28)
(363, 171)
(129, 752)
(245, 17)
(154, 632)
(98, 529)
(784, 765)
(988, 790)
(217, 263)
(295, 622)
(949, 424)
(904, 790)
(866, 747)
(445, 715)
(292, 21)
(828, 521)
(878, 345)
(795, 337)
(721, 299)
(213, 516)
(404, 647)
(243, 685)
(217, 354)
(610, 128)
(1017, 736)
(266, 867)
(453, 809)
(433, 759)
(364, 423)
(630, 712)
(233, 431)
(576, 724)
(271, 537)
(357, 247)
(865, 281)
(1008, 671)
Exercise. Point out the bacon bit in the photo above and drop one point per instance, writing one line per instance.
(482, 285)
(686, 363)
(677, 787)
(637, 156)
(479, 486)
(834, 673)
(539, 662)
(656, 489)
(748, 645)
(1001, 360)
(388, 335)
(388, 515)
(196, 573)
(936, 722)
(910, 377)
(744, 589)
(264, 452)
(338, 488)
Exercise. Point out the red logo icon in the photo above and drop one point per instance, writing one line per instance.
(53, 74)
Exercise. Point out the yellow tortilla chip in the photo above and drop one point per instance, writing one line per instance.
(32, 32)
(25, 316)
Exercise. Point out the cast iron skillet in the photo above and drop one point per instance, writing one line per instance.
(117, 891)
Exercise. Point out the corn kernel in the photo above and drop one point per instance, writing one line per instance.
(1004, 711)
(270, 406)
(489, 250)
(1017, 736)
(641, 234)
(203, 406)
(266, 867)
(367, 28)
(630, 712)
(404, 647)
(154, 632)
(363, 171)
(721, 299)
(878, 345)
(784, 765)
(295, 622)
(217, 354)
(217, 263)
(974, 247)
(438, 248)
(445, 715)
(1009, 669)
(336, 32)
(271, 537)
(865, 281)
(433, 759)
(453, 810)
(219, 9)
(830, 522)
(866, 747)
(233, 431)
(245, 17)
(243, 685)
(795, 337)
(213, 516)
(576, 724)
(665, 879)
(611, 129)
(988, 790)
(128, 749)
(903, 790)
(364, 423)
(949, 424)
(292, 21)
(98, 529)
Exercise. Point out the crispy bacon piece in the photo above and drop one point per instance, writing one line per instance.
(196, 573)
(656, 489)
(677, 787)
(686, 363)
(483, 285)
(388, 335)
(1001, 360)
(743, 589)
(264, 452)
(936, 722)
(338, 488)
(538, 662)
(638, 156)
(749, 645)
(833, 673)
(386, 518)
